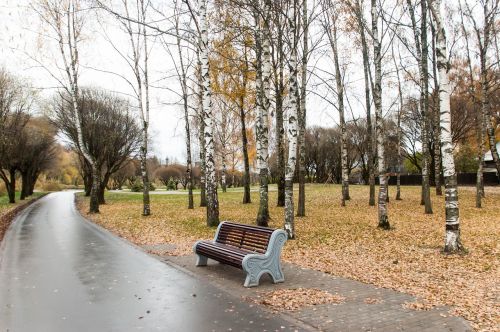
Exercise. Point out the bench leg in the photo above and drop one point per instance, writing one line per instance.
(277, 274)
(201, 260)
(251, 280)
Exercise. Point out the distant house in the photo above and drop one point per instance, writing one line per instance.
(489, 164)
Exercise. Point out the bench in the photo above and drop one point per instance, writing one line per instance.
(255, 250)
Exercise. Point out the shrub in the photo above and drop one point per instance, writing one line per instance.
(51, 186)
(137, 186)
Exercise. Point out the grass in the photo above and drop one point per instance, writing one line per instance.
(345, 241)
(5, 205)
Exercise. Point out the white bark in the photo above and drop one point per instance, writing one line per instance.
(383, 220)
(452, 238)
(211, 182)
(292, 126)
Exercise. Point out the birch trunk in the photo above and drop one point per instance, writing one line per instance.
(437, 127)
(383, 220)
(292, 125)
(184, 86)
(201, 138)
(340, 99)
(211, 183)
(145, 118)
(280, 130)
(246, 175)
(421, 56)
(301, 208)
(399, 160)
(452, 238)
(263, 64)
(425, 110)
(369, 127)
(71, 61)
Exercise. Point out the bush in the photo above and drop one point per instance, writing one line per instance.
(51, 186)
(137, 186)
(171, 185)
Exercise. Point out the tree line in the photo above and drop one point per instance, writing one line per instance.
(245, 69)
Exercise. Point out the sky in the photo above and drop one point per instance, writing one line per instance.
(24, 45)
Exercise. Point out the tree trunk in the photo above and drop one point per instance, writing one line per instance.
(201, 136)
(146, 209)
(399, 160)
(279, 89)
(369, 128)
(292, 126)
(246, 176)
(340, 99)
(263, 64)
(211, 184)
(424, 94)
(94, 191)
(452, 239)
(437, 127)
(301, 208)
(189, 165)
(25, 185)
(11, 186)
(383, 220)
(223, 182)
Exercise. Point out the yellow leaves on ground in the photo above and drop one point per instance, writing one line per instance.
(345, 241)
(296, 298)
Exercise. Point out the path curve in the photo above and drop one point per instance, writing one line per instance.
(59, 272)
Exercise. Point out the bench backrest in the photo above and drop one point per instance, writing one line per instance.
(246, 237)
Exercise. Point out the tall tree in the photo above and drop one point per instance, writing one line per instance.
(134, 21)
(330, 26)
(302, 115)
(383, 219)
(263, 69)
(279, 24)
(421, 51)
(211, 183)
(65, 20)
(452, 238)
(356, 8)
(292, 122)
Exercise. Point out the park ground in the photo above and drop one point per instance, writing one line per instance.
(344, 241)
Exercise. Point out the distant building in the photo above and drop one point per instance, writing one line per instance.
(489, 164)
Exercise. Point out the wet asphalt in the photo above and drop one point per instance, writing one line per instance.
(59, 272)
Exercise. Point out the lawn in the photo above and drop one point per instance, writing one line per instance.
(6, 209)
(345, 241)
(6, 206)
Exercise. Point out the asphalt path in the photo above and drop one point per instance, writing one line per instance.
(59, 272)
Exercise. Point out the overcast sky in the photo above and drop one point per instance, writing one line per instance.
(21, 43)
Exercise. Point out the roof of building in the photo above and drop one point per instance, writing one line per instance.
(488, 156)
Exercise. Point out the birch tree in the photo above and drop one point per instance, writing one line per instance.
(181, 68)
(292, 122)
(356, 8)
(211, 183)
(452, 238)
(421, 55)
(263, 69)
(134, 22)
(65, 20)
(302, 114)
(383, 219)
(330, 25)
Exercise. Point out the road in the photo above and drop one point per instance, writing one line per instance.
(59, 272)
